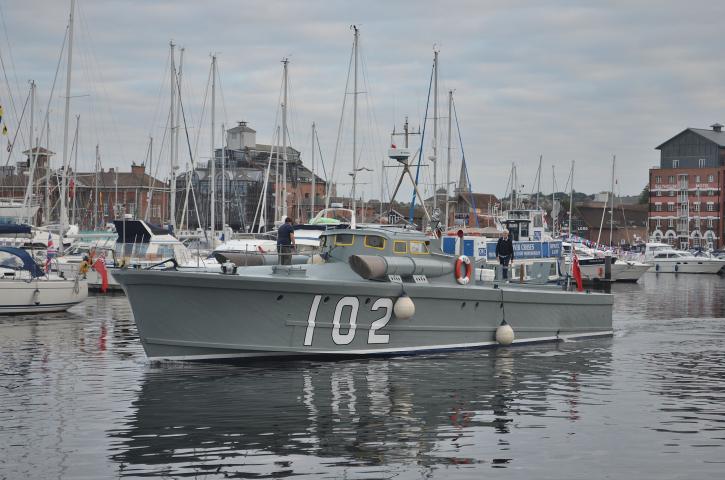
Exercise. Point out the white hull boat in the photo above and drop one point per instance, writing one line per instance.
(25, 288)
(665, 259)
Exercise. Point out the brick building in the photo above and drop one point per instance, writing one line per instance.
(686, 190)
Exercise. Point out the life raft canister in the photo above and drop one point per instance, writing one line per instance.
(463, 277)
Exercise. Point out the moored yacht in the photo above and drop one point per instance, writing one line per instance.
(665, 259)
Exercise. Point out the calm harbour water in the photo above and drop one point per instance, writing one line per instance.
(78, 399)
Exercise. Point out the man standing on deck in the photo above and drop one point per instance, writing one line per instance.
(505, 253)
(285, 242)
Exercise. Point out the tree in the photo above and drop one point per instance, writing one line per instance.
(644, 196)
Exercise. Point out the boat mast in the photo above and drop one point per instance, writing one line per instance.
(69, 69)
(172, 143)
(75, 169)
(571, 237)
(538, 184)
(448, 159)
(435, 128)
(313, 194)
(554, 218)
(611, 212)
(224, 181)
(46, 209)
(95, 192)
(285, 62)
(33, 154)
(354, 118)
(212, 188)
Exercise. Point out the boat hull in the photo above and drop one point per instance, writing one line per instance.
(39, 296)
(706, 265)
(258, 316)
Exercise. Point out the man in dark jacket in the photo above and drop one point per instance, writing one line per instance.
(285, 242)
(505, 253)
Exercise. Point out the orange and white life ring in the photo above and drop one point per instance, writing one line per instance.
(463, 277)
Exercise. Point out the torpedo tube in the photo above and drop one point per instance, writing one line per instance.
(505, 334)
(404, 308)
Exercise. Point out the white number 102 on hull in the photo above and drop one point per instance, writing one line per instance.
(354, 304)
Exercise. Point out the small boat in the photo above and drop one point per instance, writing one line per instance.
(598, 266)
(665, 259)
(378, 292)
(26, 288)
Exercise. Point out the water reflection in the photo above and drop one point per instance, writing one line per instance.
(351, 415)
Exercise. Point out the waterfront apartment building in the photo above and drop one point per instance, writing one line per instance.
(686, 201)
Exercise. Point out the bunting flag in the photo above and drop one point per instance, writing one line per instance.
(71, 188)
(10, 146)
(2, 113)
(5, 129)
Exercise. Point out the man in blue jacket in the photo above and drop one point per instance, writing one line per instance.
(285, 242)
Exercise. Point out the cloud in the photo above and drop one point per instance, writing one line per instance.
(567, 80)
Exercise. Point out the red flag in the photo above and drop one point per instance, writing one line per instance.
(71, 188)
(100, 267)
(577, 274)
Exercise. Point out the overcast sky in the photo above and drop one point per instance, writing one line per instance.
(569, 80)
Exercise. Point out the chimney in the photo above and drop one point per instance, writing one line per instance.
(138, 170)
(716, 127)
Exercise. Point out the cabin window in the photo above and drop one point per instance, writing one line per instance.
(374, 241)
(418, 248)
(400, 246)
(165, 251)
(344, 240)
(323, 241)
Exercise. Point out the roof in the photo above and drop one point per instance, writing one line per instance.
(39, 151)
(242, 127)
(124, 179)
(715, 137)
(633, 214)
(265, 148)
(481, 199)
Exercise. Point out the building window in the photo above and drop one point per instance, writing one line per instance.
(658, 207)
(670, 207)
(659, 193)
(671, 222)
(658, 223)
(697, 178)
(696, 206)
(658, 179)
(710, 207)
(675, 163)
(156, 211)
(701, 162)
(709, 223)
(672, 193)
(711, 178)
(711, 193)
(671, 179)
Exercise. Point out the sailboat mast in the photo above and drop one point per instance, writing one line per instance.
(571, 236)
(95, 191)
(172, 143)
(554, 218)
(224, 180)
(75, 170)
(212, 177)
(435, 128)
(69, 70)
(611, 212)
(285, 62)
(448, 158)
(313, 193)
(354, 119)
(29, 188)
(538, 184)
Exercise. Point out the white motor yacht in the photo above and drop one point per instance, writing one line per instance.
(665, 259)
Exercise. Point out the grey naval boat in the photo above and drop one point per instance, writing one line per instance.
(378, 291)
